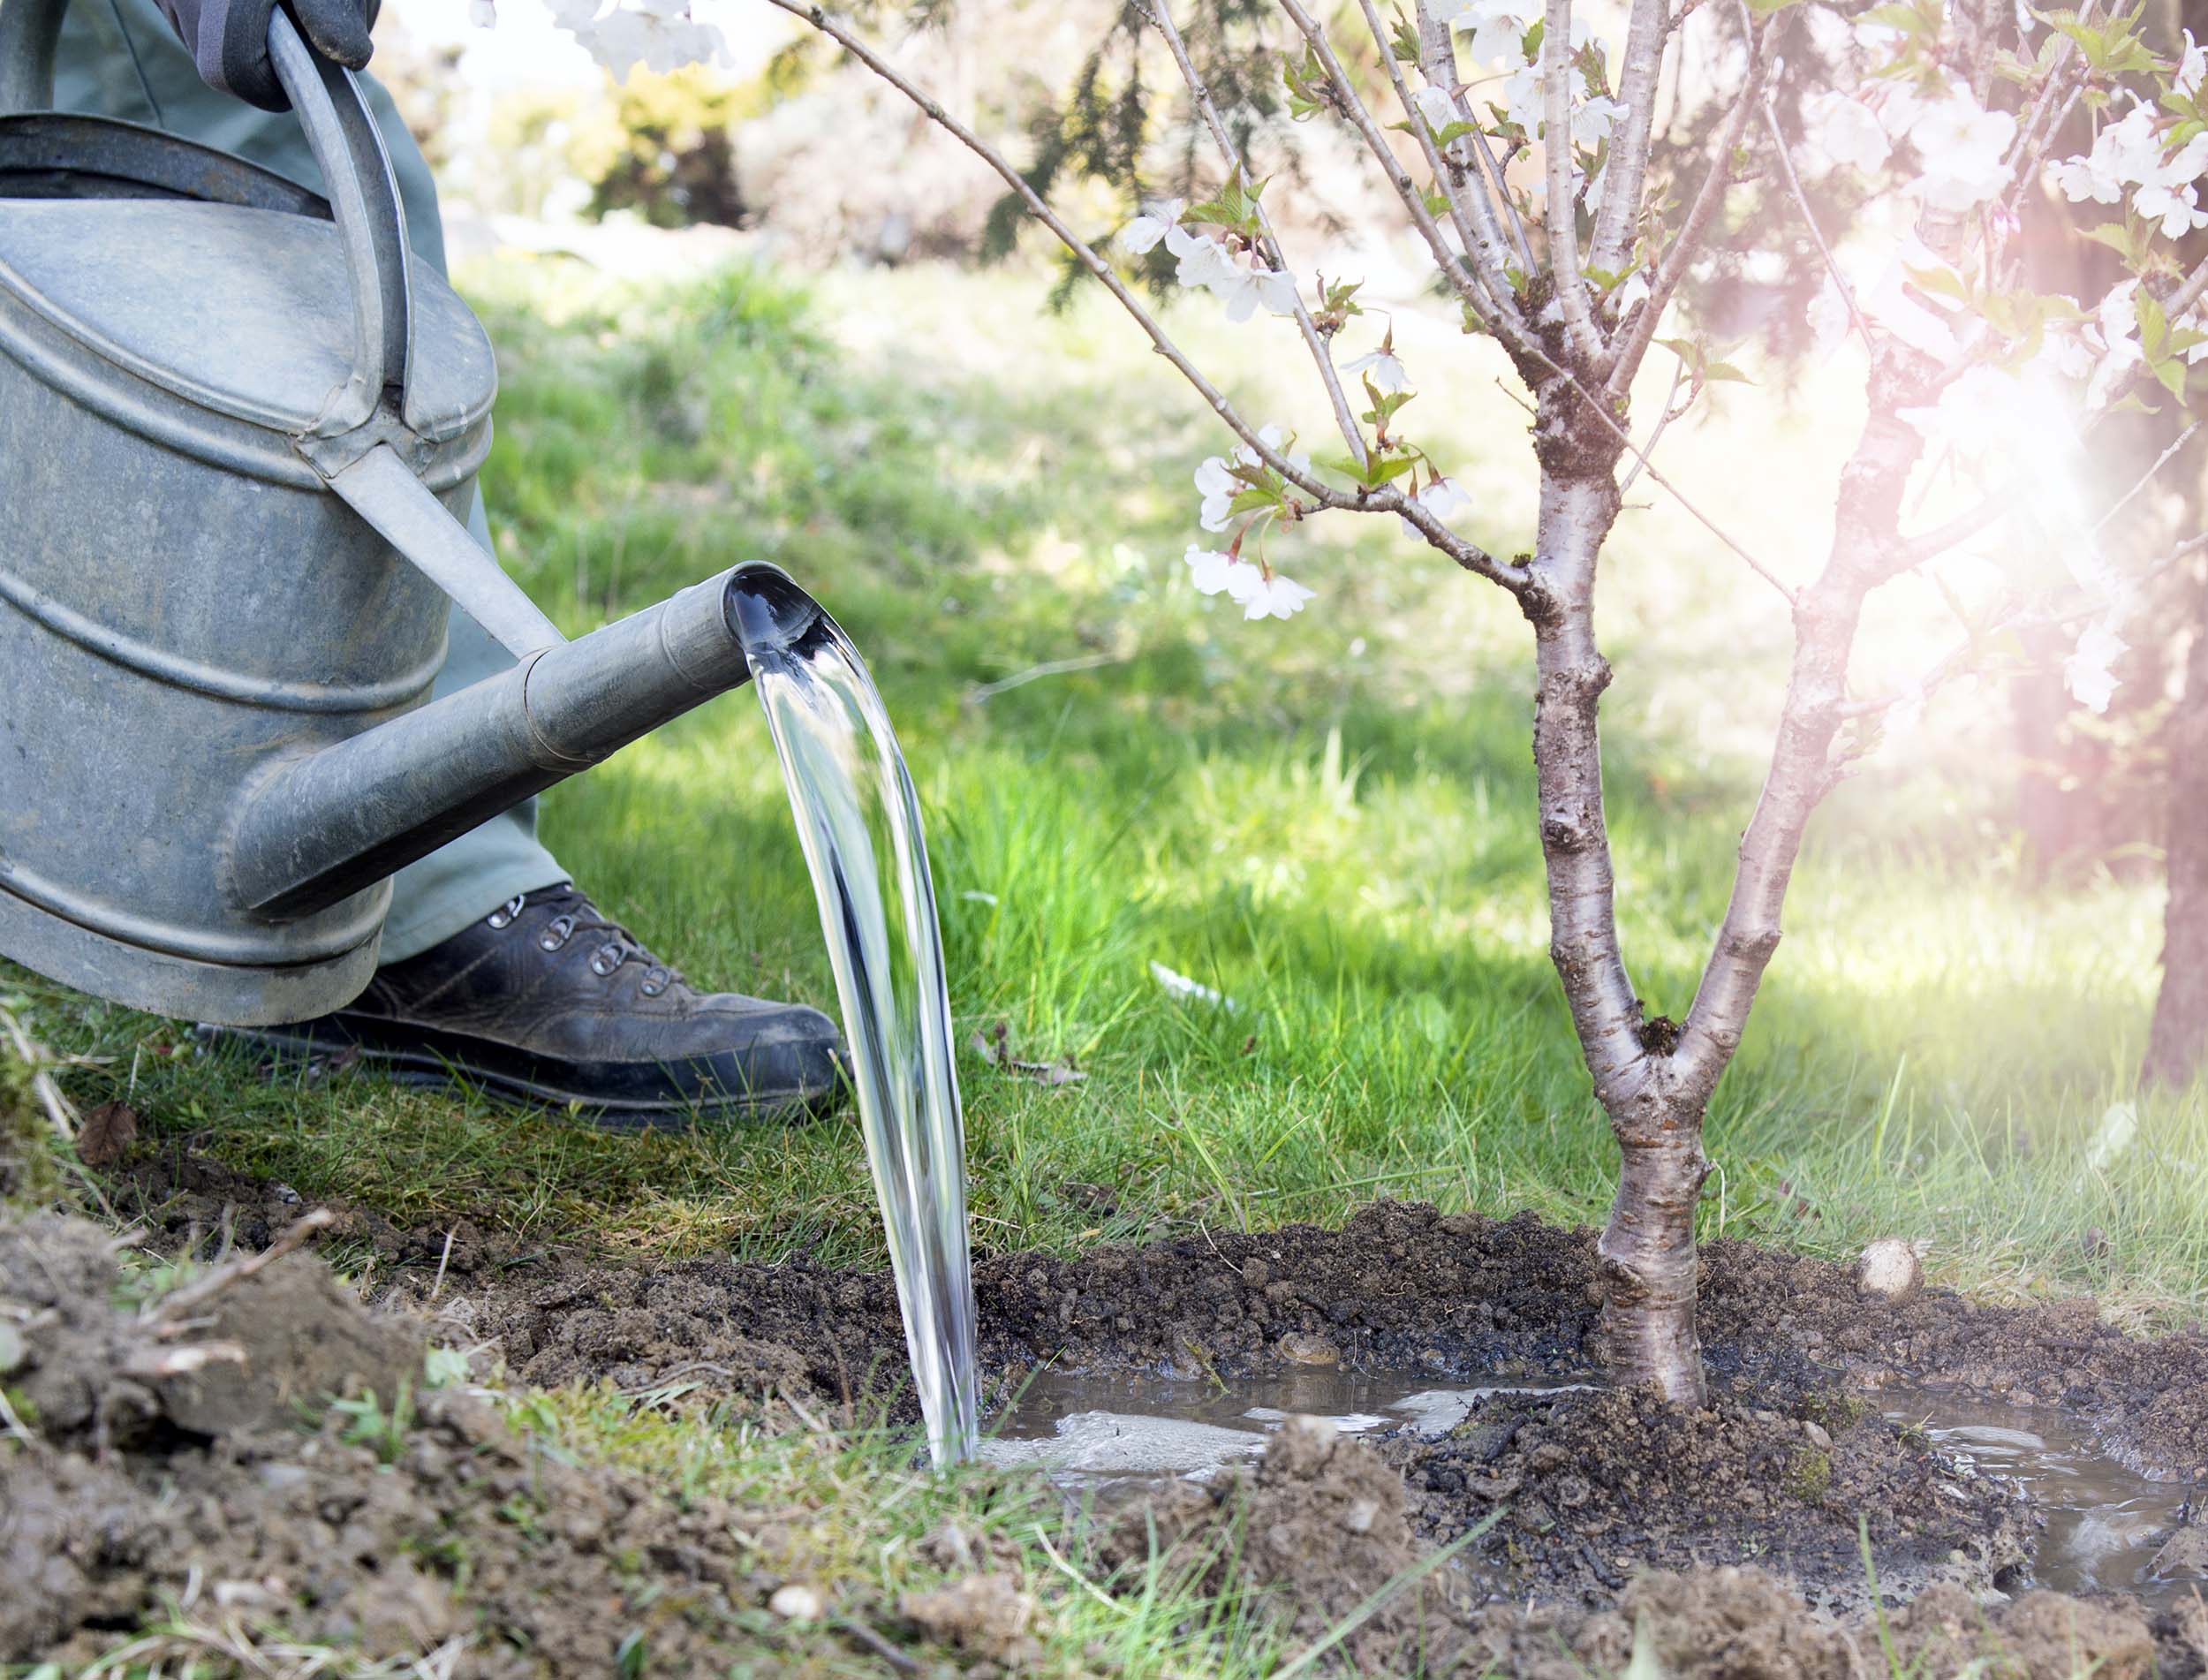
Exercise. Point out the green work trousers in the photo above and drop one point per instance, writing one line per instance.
(119, 58)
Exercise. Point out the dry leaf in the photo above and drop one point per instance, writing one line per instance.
(107, 1131)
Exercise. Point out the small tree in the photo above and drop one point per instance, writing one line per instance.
(1524, 169)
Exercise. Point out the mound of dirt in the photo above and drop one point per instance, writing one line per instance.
(1593, 1488)
(186, 1453)
(1741, 1624)
(1320, 1526)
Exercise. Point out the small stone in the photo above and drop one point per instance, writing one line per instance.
(1890, 1268)
(797, 1602)
(1256, 1274)
(1362, 1514)
(1820, 1437)
(1548, 1455)
(2185, 1553)
(1299, 1348)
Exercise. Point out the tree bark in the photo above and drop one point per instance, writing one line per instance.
(2180, 1032)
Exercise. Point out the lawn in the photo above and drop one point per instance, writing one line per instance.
(1327, 821)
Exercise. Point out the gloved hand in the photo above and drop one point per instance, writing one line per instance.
(229, 41)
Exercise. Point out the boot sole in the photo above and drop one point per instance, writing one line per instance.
(459, 1066)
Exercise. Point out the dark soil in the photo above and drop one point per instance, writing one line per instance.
(1616, 1512)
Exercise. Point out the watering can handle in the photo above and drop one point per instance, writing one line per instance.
(371, 222)
(356, 172)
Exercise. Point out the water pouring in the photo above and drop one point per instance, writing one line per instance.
(240, 425)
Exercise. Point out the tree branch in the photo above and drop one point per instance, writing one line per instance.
(1499, 310)
(1437, 63)
(1634, 336)
(1626, 172)
(1467, 555)
(1321, 352)
(1809, 217)
(1564, 218)
(1801, 773)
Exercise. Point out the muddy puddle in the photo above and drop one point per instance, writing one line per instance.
(2100, 1526)
(1081, 1427)
(2105, 1526)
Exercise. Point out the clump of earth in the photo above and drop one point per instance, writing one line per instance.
(1581, 1526)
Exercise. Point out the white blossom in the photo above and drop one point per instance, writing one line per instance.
(483, 14)
(1436, 107)
(1261, 596)
(660, 35)
(1144, 233)
(1828, 317)
(1444, 498)
(1383, 367)
(1593, 119)
(1202, 258)
(1218, 487)
(2089, 673)
(1977, 414)
(2117, 318)
(1846, 130)
(1964, 148)
(1208, 569)
(2192, 67)
(1205, 262)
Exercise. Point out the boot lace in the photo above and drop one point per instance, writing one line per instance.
(616, 944)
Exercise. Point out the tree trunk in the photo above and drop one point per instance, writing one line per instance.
(2180, 1031)
(1648, 1262)
(1647, 1252)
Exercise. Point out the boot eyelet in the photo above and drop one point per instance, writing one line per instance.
(557, 935)
(655, 982)
(503, 916)
(605, 959)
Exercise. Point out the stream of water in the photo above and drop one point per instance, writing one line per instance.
(860, 828)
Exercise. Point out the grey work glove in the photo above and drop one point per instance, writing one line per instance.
(229, 41)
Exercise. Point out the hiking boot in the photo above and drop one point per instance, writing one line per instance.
(546, 1001)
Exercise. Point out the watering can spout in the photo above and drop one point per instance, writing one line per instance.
(320, 827)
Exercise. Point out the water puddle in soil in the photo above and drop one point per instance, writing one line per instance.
(1106, 1428)
(860, 825)
(2104, 1524)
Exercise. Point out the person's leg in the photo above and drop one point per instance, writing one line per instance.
(123, 60)
(493, 967)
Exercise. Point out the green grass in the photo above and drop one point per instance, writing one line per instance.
(1330, 821)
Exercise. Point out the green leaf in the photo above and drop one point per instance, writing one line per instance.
(1402, 39)
(1727, 371)
(2154, 325)
(2171, 372)
(1251, 501)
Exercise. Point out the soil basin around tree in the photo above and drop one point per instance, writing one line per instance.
(1455, 1348)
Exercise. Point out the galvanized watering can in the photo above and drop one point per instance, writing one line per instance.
(236, 425)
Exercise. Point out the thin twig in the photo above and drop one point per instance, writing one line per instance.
(2145, 478)
(1467, 555)
(444, 1259)
(1678, 373)
(1048, 668)
(1809, 217)
(181, 1299)
(1321, 351)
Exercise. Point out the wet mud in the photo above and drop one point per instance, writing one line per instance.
(1727, 1541)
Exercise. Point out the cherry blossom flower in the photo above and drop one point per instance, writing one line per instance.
(1202, 258)
(2192, 67)
(1382, 366)
(1847, 131)
(2089, 673)
(1435, 105)
(1156, 221)
(1261, 596)
(1964, 147)
(1444, 498)
(1208, 569)
(660, 35)
(1205, 262)
(1218, 487)
(2117, 317)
